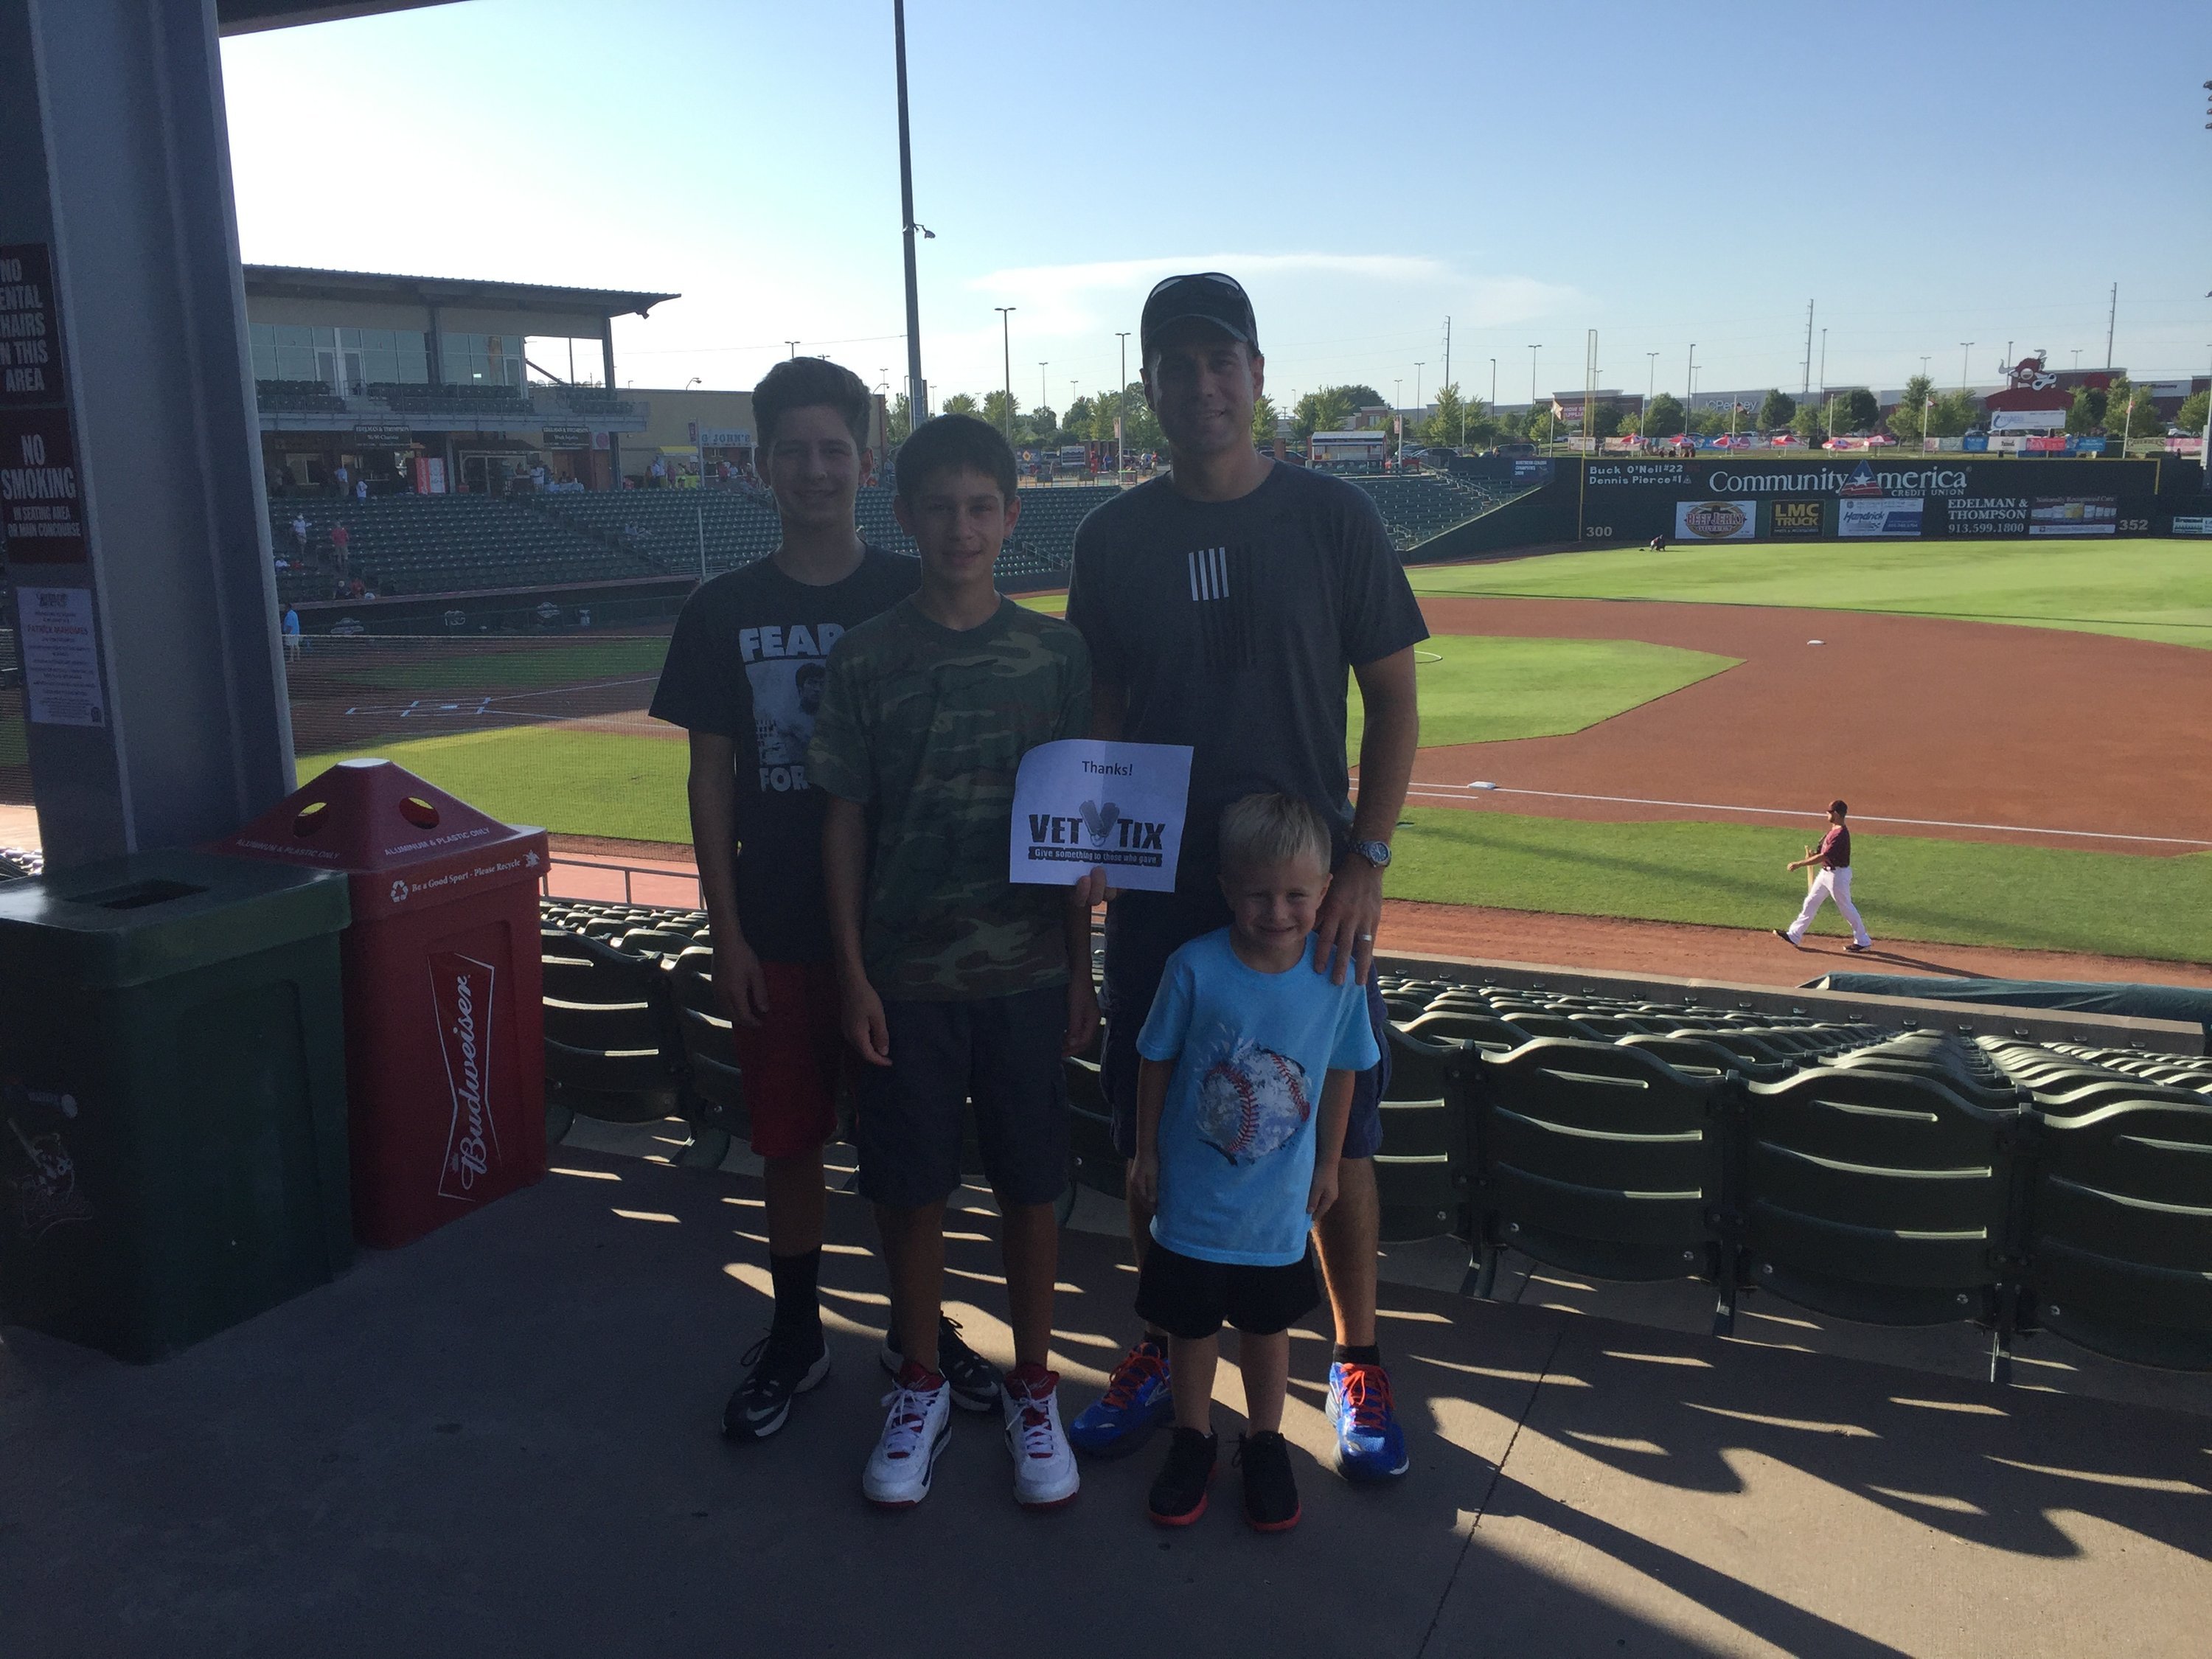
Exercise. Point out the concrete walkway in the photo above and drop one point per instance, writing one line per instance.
(502, 1441)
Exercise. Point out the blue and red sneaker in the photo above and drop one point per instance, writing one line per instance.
(1370, 1444)
(1137, 1400)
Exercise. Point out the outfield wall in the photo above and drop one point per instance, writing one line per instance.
(1850, 496)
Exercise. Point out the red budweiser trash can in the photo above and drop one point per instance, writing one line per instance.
(445, 1030)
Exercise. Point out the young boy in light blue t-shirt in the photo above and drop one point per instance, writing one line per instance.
(1249, 1057)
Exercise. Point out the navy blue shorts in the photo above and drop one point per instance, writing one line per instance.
(1001, 1052)
(1143, 930)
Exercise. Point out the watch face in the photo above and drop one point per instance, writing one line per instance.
(1376, 853)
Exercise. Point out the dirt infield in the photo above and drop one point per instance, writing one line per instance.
(1981, 730)
(1744, 956)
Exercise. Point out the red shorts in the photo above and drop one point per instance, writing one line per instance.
(792, 1059)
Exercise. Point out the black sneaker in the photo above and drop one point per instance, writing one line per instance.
(1271, 1494)
(782, 1366)
(974, 1380)
(1178, 1497)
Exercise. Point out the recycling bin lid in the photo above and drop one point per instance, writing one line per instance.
(365, 816)
(129, 920)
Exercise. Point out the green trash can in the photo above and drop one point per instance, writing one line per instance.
(172, 1123)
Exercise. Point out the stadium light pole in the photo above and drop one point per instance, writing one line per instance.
(1044, 397)
(1006, 340)
(1121, 396)
(1650, 391)
(1689, 387)
(1493, 391)
(917, 402)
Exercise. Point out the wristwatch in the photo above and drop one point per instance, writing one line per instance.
(1376, 853)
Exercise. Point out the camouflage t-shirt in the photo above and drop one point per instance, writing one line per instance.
(925, 726)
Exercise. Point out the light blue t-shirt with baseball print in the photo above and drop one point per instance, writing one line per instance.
(1251, 1051)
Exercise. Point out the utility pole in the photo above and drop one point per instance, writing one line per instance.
(1965, 347)
(1448, 379)
(1824, 362)
(793, 345)
(1650, 389)
(1121, 399)
(917, 401)
(1806, 390)
(1006, 337)
(1689, 386)
(1417, 387)
(2111, 322)
(1493, 388)
(1533, 350)
(1044, 398)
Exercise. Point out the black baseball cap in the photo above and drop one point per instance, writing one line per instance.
(1207, 295)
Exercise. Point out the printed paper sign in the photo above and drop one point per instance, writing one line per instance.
(61, 664)
(1082, 804)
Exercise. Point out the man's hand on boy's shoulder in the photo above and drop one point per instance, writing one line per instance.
(1351, 912)
(740, 983)
(1082, 1011)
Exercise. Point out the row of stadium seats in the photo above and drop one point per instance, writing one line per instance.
(1907, 1179)
(668, 525)
(1912, 1178)
(297, 398)
(445, 543)
(403, 398)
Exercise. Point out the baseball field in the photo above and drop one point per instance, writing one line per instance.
(2021, 730)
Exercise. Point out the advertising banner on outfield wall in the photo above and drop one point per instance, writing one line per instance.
(2074, 515)
(2186, 526)
(1796, 519)
(1878, 515)
(1899, 494)
(1717, 521)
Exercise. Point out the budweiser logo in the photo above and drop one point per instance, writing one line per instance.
(461, 991)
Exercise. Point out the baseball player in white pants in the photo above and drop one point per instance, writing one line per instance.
(1832, 881)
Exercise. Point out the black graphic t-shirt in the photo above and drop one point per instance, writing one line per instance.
(1234, 626)
(748, 661)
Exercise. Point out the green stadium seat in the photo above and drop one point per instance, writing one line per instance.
(1881, 1197)
(1600, 1159)
(2120, 1249)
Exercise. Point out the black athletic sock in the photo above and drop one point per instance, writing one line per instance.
(797, 1313)
(1369, 1355)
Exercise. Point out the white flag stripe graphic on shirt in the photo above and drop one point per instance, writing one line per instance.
(1209, 572)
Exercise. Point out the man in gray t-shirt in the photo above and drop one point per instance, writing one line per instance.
(1228, 606)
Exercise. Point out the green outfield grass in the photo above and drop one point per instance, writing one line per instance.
(590, 783)
(575, 783)
(2139, 589)
(1732, 876)
(1485, 689)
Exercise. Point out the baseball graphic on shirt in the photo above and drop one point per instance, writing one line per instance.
(1252, 1102)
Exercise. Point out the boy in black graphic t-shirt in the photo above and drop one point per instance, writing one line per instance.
(744, 676)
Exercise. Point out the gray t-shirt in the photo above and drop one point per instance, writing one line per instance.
(1234, 626)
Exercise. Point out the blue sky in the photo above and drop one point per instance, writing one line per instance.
(1930, 174)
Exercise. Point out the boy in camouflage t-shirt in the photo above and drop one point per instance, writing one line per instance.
(959, 985)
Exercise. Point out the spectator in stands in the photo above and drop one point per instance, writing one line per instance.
(293, 641)
(299, 533)
(361, 489)
(1224, 604)
(960, 983)
(743, 645)
(355, 588)
(339, 479)
(658, 471)
(341, 547)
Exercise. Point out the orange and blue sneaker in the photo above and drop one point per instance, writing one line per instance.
(1137, 1400)
(1370, 1444)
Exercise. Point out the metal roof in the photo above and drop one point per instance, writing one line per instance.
(247, 16)
(304, 282)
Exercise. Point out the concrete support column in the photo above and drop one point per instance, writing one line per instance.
(155, 686)
(607, 360)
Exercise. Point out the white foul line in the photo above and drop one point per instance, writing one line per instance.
(1458, 791)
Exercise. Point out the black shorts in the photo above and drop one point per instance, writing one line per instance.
(1002, 1053)
(1190, 1298)
(1143, 930)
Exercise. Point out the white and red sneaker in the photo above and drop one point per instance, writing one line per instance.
(1045, 1474)
(914, 1435)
